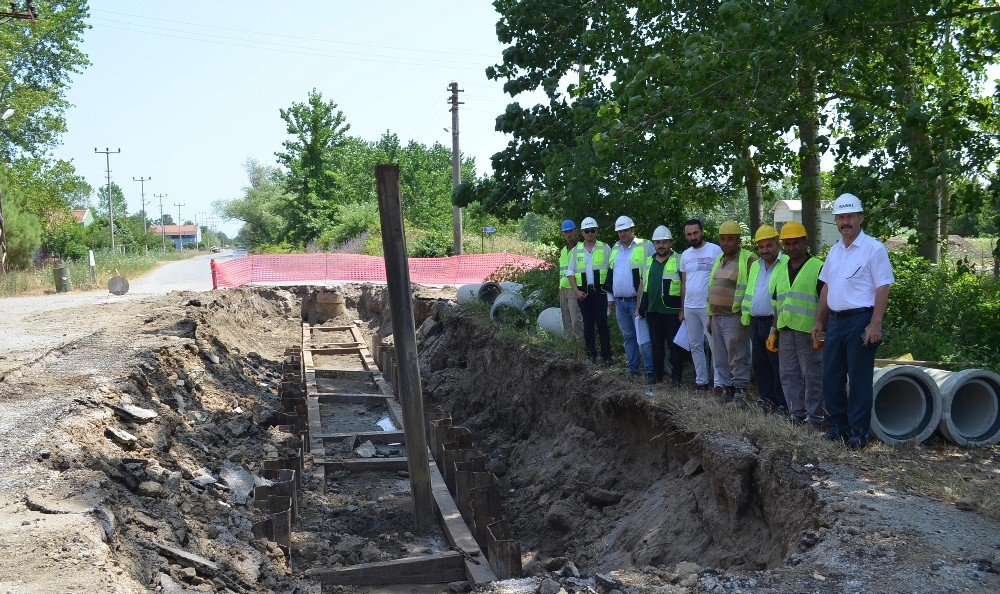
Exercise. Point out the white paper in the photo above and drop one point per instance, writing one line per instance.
(681, 339)
(641, 331)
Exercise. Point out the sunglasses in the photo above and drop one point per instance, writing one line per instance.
(590, 230)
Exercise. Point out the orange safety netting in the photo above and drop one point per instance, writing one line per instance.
(308, 268)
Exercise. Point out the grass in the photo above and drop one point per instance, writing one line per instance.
(41, 280)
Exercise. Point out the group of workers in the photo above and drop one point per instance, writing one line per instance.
(808, 328)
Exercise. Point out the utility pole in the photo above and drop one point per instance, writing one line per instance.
(111, 203)
(456, 167)
(180, 236)
(142, 190)
(163, 232)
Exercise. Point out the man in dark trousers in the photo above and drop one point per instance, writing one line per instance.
(660, 303)
(758, 316)
(587, 272)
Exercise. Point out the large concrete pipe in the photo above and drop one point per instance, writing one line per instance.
(512, 286)
(468, 293)
(970, 406)
(488, 292)
(907, 404)
(507, 307)
(550, 321)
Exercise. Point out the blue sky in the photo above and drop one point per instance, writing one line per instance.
(190, 91)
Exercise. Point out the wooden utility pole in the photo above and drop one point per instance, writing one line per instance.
(456, 168)
(397, 273)
(111, 202)
(142, 191)
(163, 232)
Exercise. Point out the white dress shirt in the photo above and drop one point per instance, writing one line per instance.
(588, 256)
(760, 305)
(853, 273)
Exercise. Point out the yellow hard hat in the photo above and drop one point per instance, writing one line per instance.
(792, 229)
(730, 228)
(765, 232)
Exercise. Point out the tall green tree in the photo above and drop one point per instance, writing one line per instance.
(261, 206)
(312, 160)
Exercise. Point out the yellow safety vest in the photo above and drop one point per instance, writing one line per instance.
(564, 268)
(752, 283)
(600, 257)
(797, 301)
(741, 280)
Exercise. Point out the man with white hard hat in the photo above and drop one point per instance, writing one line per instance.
(571, 315)
(623, 287)
(660, 304)
(857, 273)
(587, 273)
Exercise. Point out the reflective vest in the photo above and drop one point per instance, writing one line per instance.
(599, 257)
(636, 261)
(752, 284)
(670, 292)
(564, 268)
(796, 302)
(741, 280)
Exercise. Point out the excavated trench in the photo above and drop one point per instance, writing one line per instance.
(592, 470)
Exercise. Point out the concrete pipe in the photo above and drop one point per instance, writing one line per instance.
(488, 292)
(511, 286)
(970, 406)
(550, 321)
(468, 293)
(906, 404)
(506, 307)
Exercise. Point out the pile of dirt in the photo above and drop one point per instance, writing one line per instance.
(596, 472)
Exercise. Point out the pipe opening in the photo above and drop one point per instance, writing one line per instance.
(974, 409)
(489, 292)
(903, 407)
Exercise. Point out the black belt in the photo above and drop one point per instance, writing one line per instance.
(624, 298)
(850, 312)
(762, 318)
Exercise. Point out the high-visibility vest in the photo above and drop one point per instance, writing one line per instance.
(636, 259)
(671, 281)
(741, 280)
(564, 268)
(796, 302)
(752, 284)
(599, 258)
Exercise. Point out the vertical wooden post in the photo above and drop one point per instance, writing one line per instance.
(397, 273)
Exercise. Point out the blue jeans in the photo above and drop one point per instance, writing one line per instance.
(845, 357)
(625, 314)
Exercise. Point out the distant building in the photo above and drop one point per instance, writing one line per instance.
(791, 210)
(179, 234)
(83, 216)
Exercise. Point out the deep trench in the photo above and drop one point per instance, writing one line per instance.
(593, 470)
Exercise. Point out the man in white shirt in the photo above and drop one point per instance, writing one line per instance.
(696, 269)
(857, 274)
(625, 281)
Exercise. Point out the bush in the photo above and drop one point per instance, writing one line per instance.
(24, 234)
(939, 312)
(431, 244)
(353, 220)
(65, 239)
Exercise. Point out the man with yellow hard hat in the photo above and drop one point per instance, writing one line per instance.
(758, 316)
(727, 284)
(795, 288)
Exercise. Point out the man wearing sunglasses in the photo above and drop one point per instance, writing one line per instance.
(587, 273)
(857, 274)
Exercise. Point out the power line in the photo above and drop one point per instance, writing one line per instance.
(111, 203)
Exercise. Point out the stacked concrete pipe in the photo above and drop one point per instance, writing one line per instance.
(970, 406)
(506, 304)
(906, 404)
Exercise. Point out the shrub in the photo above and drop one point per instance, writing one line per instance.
(24, 235)
(431, 244)
(64, 238)
(352, 220)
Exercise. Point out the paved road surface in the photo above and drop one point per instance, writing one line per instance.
(24, 331)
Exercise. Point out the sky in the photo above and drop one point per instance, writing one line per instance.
(190, 91)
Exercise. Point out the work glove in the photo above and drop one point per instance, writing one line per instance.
(772, 340)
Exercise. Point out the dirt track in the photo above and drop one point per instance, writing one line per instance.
(595, 473)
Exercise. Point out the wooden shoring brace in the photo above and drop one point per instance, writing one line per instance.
(504, 554)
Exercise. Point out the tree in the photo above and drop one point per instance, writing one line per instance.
(311, 159)
(118, 201)
(261, 206)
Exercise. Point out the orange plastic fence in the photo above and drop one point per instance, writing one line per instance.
(309, 268)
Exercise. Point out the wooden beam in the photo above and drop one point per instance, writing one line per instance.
(436, 568)
(392, 464)
(346, 398)
(327, 350)
(373, 436)
(348, 374)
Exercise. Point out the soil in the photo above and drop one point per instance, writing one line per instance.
(602, 488)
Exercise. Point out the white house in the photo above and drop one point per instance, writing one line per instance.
(791, 210)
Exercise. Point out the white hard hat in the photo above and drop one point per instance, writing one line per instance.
(588, 223)
(662, 233)
(623, 223)
(846, 203)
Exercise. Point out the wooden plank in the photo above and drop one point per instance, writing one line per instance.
(331, 328)
(457, 533)
(348, 374)
(392, 464)
(436, 568)
(347, 398)
(373, 436)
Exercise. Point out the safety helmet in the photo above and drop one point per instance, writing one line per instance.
(661, 233)
(792, 230)
(588, 223)
(765, 232)
(730, 228)
(623, 223)
(568, 225)
(846, 203)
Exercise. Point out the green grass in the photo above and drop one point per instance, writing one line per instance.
(42, 280)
